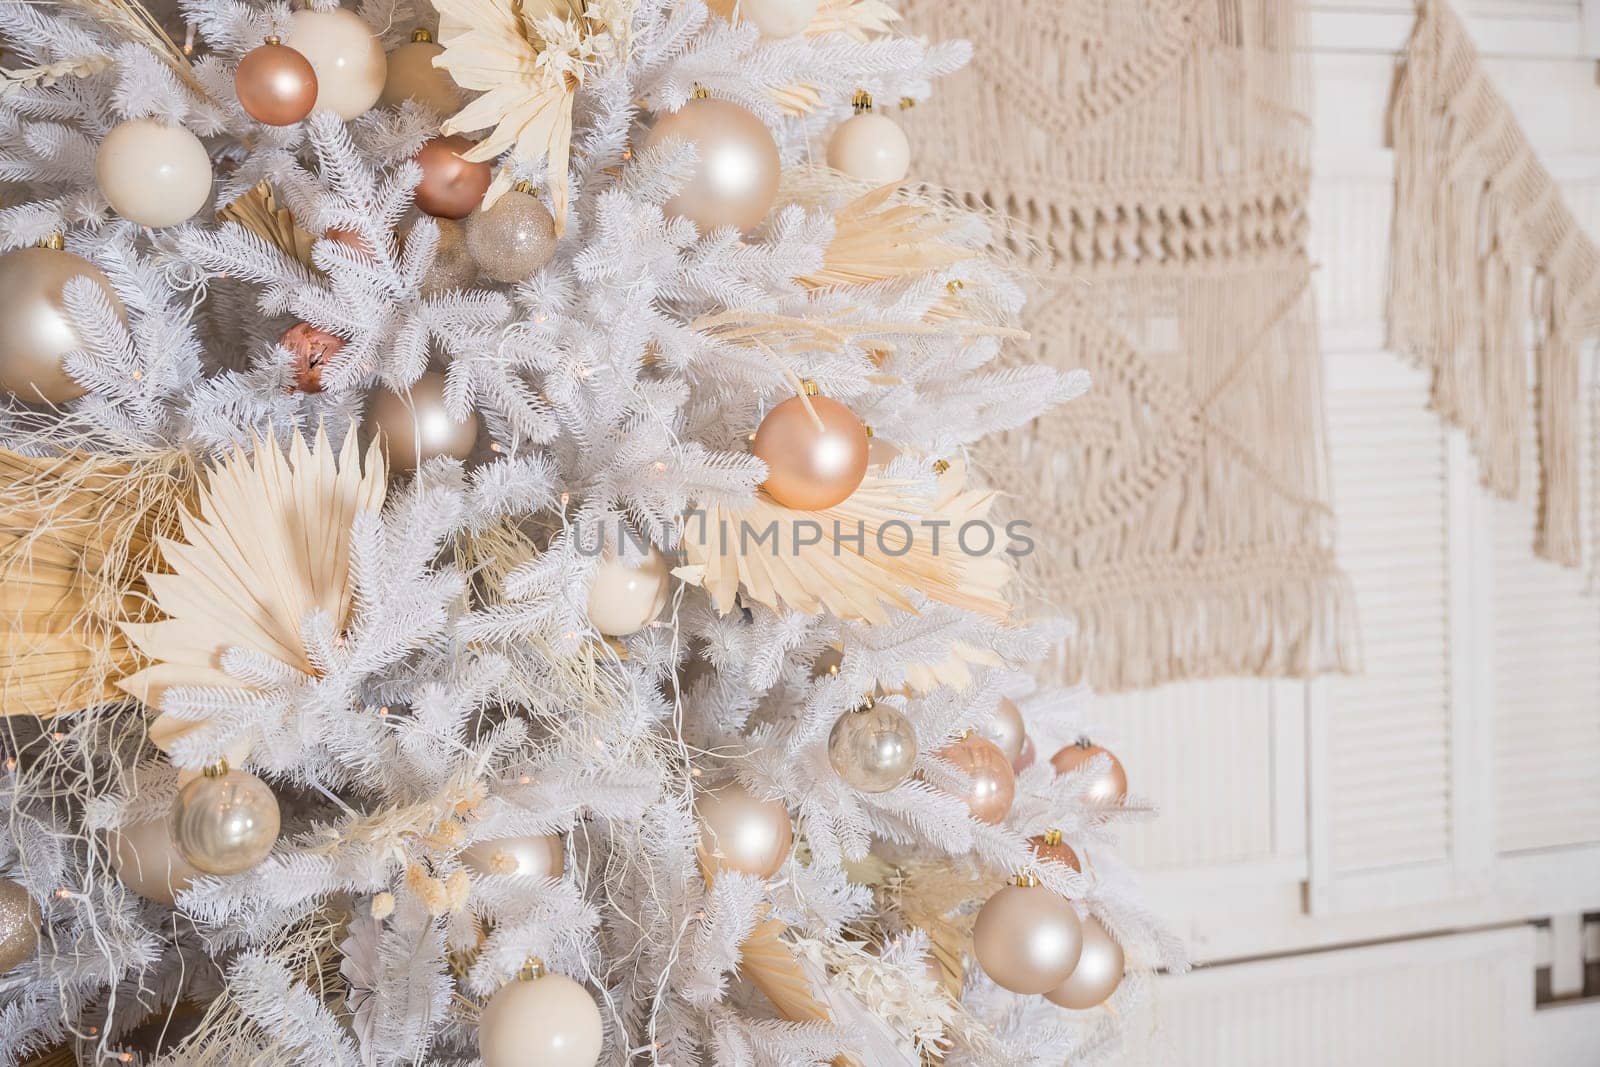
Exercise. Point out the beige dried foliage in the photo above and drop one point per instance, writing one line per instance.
(882, 235)
(132, 21)
(260, 212)
(769, 963)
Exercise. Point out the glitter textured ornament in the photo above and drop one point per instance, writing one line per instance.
(451, 187)
(310, 350)
(453, 266)
(1098, 973)
(153, 173)
(624, 597)
(412, 76)
(1027, 938)
(35, 332)
(735, 179)
(778, 18)
(415, 427)
(224, 822)
(349, 60)
(992, 784)
(19, 925)
(1110, 786)
(543, 1019)
(873, 747)
(1049, 846)
(148, 863)
(275, 84)
(741, 832)
(512, 238)
(811, 468)
(1005, 728)
(532, 856)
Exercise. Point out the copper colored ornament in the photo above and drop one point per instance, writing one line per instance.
(351, 239)
(19, 925)
(416, 427)
(35, 331)
(531, 856)
(1005, 728)
(1027, 938)
(1049, 846)
(735, 179)
(451, 187)
(1109, 787)
(742, 832)
(412, 76)
(1098, 973)
(275, 84)
(310, 349)
(992, 784)
(808, 468)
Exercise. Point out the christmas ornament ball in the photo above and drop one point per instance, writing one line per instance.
(779, 18)
(1006, 729)
(548, 1021)
(1050, 846)
(811, 468)
(513, 237)
(35, 332)
(1025, 756)
(310, 349)
(1098, 973)
(412, 76)
(148, 863)
(153, 173)
(224, 822)
(735, 179)
(19, 925)
(451, 187)
(992, 784)
(1027, 938)
(625, 597)
(873, 747)
(416, 427)
(348, 59)
(1109, 786)
(871, 148)
(275, 84)
(741, 832)
(453, 266)
(529, 856)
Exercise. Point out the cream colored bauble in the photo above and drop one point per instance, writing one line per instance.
(625, 598)
(1027, 938)
(148, 863)
(531, 856)
(349, 61)
(548, 1021)
(152, 173)
(870, 148)
(740, 831)
(412, 76)
(779, 18)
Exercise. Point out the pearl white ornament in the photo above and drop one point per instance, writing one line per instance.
(778, 18)
(870, 148)
(152, 173)
(533, 856)
(349, 61)
(224, 823)
(625, 598)
(549, 1021)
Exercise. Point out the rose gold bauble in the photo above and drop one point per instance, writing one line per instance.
(992, 785)
(416, 427)
(19, 925)
(735, 179)
(275, 84)
(625, 597)
(153, 173)
(1027, 938)
(147, 862)
(1049, 846)
(310, 349)
(741, 832)
(348, 59)
(870, 148)
(810, 469)
(412, 76)
(1110, 787)
(351, 239)
(451, 187)
(1026, 757)
(35, 332)
(549, 1021)
(530, 856)
(1097, 975)
(1005, 728)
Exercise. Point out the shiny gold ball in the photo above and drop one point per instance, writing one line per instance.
(532, 856)
(873, 748)
(224, 823)
(1098, 973)
(412, 76)
(735, 179)
(1027, 938)
(19, 925)
(742, 832)
(416, 427)
(35, 332)
(513, 238)
(811, 468)
(1006, 729)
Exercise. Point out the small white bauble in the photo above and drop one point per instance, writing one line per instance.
(148, 863)
(550, 1021)
(152, 173)
(779, 18)
(625, 598)
(349, 61)
(870, 148)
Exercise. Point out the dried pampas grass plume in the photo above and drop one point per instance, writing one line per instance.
(881, 235)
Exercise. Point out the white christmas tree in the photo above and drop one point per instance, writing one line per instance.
(456, 606)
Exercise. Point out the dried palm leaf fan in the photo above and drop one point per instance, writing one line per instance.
(882, 235)
(77, 534)
(259, 212)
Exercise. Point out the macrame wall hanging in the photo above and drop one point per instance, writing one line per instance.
(1158, 153)
(1486, 254)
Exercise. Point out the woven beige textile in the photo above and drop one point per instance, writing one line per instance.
(1485, 254)
(1159, 150)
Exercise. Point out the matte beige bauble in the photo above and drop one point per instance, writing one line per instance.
(626, 597)
(1098, 973)
(1027, 938)
(35, 331)
(412, 76)
(545, 1021)
(513, 237)
(529, 856)
(153, 173)
(1109, 786)
(349, 60)
(735, 179)
(148, 863)
(812, 462)
(415, 427)
(779, 18)
(1005, 728)
(870, 148)
(873, 747)
(742, 832)
(275, 84)
(224, 822)
(19, 925)
(991, 783)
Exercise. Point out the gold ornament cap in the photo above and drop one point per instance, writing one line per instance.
(810, 387)
(55, 242)
(421, 35)
(861, 101)
(532, 970)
